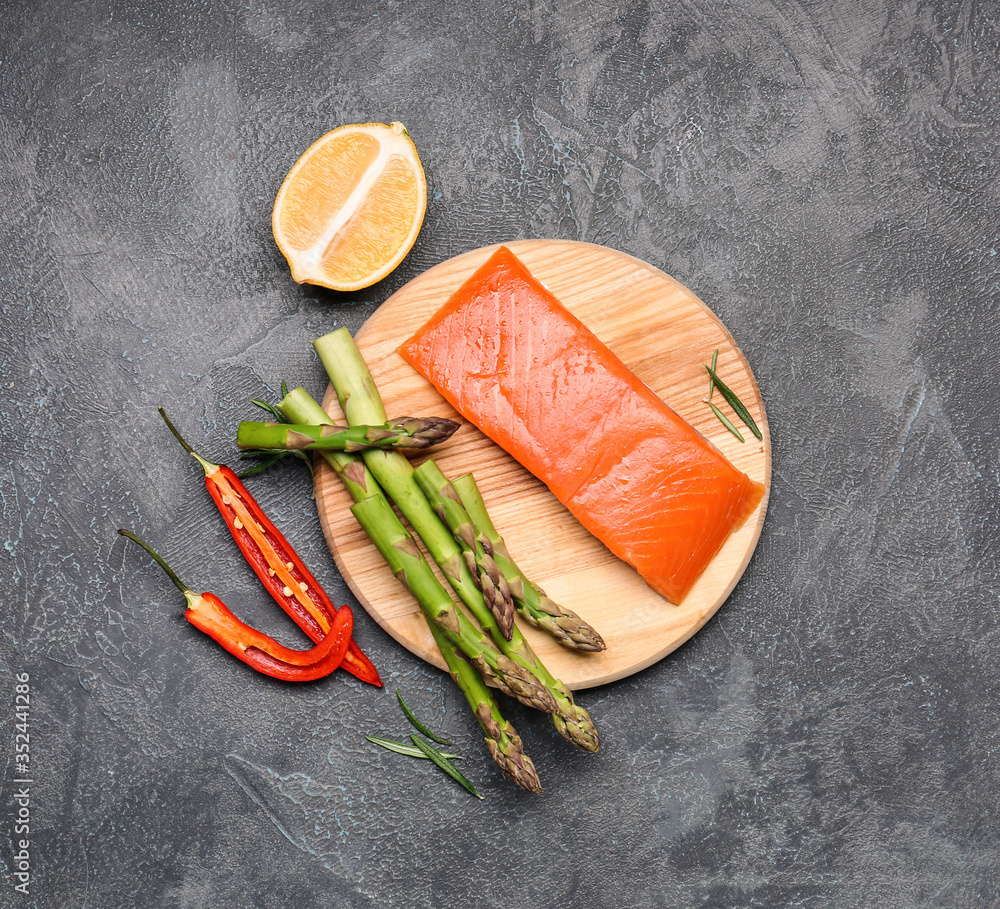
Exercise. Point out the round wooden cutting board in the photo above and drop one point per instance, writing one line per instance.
(664, 334)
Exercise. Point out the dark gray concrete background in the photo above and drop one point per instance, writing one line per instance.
(824, 176)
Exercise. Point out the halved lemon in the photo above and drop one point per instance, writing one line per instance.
(351, 207)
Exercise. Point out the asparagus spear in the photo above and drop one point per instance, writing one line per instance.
(540, 610)
(300, 407)
(501, 738)
(362, 404)
(404, 432)
(494, 586)
(400, 550)
(406, 561)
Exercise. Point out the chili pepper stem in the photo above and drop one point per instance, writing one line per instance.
(208, 466)
(274, 561)
(181, 586)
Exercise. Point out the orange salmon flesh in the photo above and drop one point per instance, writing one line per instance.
(507, 355)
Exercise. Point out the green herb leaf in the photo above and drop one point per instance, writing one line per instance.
(442, 762)
(272, 409)
(711, 381)
(738, 406)
(272, 458)
(263, 465)
(725, 420)
(417, 724)
(408, 750)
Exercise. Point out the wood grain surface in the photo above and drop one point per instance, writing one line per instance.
(664, 334)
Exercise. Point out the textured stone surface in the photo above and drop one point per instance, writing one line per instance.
(825, 176)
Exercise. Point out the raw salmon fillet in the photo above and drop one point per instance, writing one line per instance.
(513, 361)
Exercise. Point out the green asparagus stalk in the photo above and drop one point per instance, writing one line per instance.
(531, 601)
(494, 586)
(400, 550)
(404, 432)
(501, 738)
(300, 407)
(362, 404)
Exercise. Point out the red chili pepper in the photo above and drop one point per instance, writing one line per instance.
(280, 570)
(209, 614)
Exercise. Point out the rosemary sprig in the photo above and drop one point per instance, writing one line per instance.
(263, 464)
(417, 724)
(421, 749)
(277, 414)
(408, 750)
(445, 765)
(738, 406)
(724, 420)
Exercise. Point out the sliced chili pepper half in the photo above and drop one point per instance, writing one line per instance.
(273, 560)
(209, 614)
